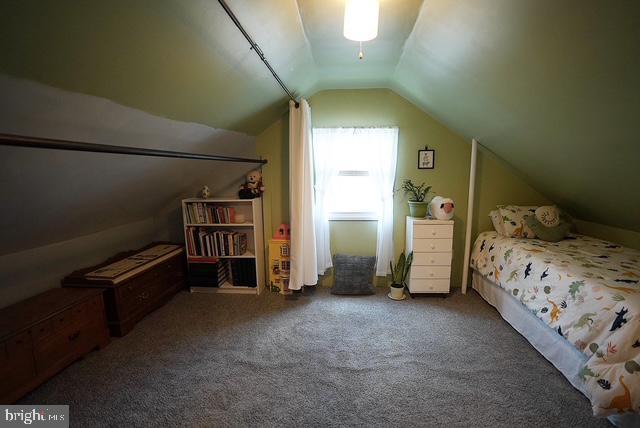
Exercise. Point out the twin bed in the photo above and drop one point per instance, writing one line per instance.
(577, 301)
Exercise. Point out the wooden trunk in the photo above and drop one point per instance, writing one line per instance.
(130, 297)
(42, 335)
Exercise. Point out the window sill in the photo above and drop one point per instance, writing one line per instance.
(353, 217)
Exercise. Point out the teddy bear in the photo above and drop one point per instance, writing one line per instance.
(253, 187)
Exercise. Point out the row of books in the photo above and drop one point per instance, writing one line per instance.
(201, 213)
(215, 243)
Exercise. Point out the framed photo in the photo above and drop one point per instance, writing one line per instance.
(426, 159)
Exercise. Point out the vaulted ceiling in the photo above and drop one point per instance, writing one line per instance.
(552, 87)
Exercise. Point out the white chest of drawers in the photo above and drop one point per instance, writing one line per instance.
(432, 244)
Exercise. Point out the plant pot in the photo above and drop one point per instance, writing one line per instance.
(396, 291)
(418, 209)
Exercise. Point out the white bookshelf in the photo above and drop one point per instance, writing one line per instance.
(252, 227)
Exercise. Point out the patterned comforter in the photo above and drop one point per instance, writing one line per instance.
(588, 291)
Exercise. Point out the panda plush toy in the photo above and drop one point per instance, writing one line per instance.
(441, 208)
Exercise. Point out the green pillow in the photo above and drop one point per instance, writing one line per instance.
(551, 234)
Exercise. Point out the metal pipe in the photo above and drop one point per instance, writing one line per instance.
(257, 49)
(77, 146)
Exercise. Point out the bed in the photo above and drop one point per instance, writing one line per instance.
(577, 301)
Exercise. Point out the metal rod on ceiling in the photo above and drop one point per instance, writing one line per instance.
(77, 146)
(257, 50)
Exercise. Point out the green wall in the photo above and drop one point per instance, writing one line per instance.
(273, 145)
(497, 183)
(628, 238)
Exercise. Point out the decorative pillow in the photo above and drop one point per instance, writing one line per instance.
(353, 274)
(513, 218)
(498, 225)
(551, 234)
(548, 215)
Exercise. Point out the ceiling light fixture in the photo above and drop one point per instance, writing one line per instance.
(361, 21)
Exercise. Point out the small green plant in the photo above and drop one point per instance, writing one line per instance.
(416, 193)
(400, 272)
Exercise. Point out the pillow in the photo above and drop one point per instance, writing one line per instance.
(513, 218)
(498, 225)
(551, 234)
(353, 274)
(548, 216)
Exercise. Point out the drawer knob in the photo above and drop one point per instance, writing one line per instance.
(433, 233)
(433, 261)
(431, 274)
(433, 247)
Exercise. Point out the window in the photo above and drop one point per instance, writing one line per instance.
(348, 164)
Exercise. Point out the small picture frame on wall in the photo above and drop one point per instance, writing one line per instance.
(426, 159)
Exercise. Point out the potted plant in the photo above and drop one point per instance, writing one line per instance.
(399, 275)
(417, 194)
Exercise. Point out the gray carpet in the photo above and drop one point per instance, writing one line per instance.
(319, 360)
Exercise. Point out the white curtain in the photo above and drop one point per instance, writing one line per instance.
(366, 149)
(304, 270)
(326, 149)
(383, 171)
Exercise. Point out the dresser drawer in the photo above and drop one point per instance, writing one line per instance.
(16, 366)
(64, 347)
(431, 259)
(430, 272)
(432, 245)
(429, 285)
(438, 231)
(42, 330)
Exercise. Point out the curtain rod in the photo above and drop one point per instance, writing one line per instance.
(77, 146)
(257, 50)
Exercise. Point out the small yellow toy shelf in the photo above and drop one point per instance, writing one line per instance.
(279, 261)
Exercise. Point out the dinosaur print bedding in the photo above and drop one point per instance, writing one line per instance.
(588, 291)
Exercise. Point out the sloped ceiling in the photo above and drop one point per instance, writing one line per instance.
(181, 59)
(52, 196)
(551, 87)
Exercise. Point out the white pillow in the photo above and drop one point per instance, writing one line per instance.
(498, 225)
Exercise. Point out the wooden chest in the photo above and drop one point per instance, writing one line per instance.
(134, 293)
(42, 335)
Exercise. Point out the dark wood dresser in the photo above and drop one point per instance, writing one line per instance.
(142, 281)
(42, 335)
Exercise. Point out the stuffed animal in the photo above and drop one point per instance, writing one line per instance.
(441, 208)
(253, 187)
(549, 224)
(205, 192)
(548, 215)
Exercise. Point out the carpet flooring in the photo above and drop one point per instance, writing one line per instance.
(318, 360)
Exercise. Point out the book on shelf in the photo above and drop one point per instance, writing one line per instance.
(202, 242)
(203, 213)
